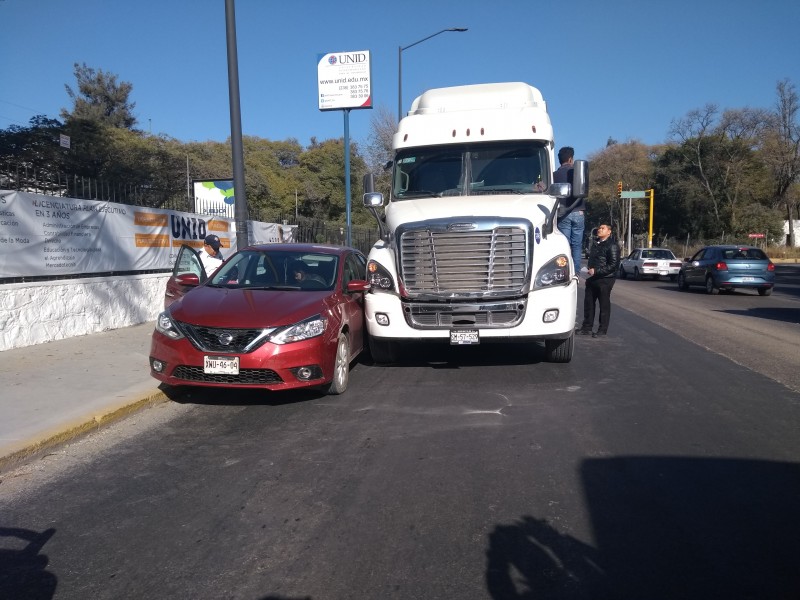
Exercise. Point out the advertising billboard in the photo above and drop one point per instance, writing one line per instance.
(344, 80)
(214, 197)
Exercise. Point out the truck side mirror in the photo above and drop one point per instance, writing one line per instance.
(580, 179)
(369, 183)
(373, 199)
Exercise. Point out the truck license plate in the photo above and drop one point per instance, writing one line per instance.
(221, 365)
(464, 337)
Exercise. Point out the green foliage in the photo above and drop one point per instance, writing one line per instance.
(100, 99)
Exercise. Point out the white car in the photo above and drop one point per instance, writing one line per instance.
(650, 262)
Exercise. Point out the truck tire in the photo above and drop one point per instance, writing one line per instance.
(382, 351)
(559, 351)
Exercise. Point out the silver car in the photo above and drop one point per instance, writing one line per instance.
(650, 262)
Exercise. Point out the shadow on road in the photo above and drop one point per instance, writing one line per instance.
(23, 571)
(663, 528)
(785, 315)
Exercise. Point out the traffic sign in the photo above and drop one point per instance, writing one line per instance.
(639, 194)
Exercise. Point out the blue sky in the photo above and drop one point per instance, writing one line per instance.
(614, 68)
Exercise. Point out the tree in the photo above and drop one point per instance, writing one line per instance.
(383, 126)
(781, 151)
(100, 99)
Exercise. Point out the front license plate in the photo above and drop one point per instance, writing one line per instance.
(221, 365)
(464, 337)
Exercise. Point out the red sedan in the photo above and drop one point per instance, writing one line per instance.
(277, 317)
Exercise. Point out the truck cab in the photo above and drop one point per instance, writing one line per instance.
(469, 252)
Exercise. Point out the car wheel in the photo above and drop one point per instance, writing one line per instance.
(682, 285)
(764, 291)
(710, 287)
(636, 274)
(559, 351)
(341, 367)
(382, 351)
(622, 273)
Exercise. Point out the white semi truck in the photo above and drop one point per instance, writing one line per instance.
(469, 252)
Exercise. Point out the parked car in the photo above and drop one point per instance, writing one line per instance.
(650, 262)
(725, 268)
(276, 316)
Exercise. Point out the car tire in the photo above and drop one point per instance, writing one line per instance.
(764, 291)
(636, 274)
(559, 351)
(341, 367)
(622, 273)
(682, 285)
(710, 287)
(382, 352)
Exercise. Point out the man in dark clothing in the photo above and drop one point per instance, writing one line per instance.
(603, 267)
(571, 217)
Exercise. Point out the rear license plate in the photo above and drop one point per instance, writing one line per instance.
(748, 278)
(464, 337)
(221, 365)
(663, 272)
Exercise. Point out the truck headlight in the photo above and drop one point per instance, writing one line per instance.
(378, 277)
(555, 272)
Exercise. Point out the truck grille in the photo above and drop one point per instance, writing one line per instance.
(477, 262)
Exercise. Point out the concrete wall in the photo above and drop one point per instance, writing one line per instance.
(35, 313)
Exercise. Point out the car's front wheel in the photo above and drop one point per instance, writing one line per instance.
(341, 367)
(682, 285)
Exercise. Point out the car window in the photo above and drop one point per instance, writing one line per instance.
(699, 255)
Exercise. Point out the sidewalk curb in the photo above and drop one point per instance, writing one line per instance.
(78, 428)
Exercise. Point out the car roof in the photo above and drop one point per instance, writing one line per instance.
(294, 247)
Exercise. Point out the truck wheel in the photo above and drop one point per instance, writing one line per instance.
(382, 351)
(559, 351)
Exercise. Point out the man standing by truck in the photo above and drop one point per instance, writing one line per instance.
(571, 210)
(603, 267)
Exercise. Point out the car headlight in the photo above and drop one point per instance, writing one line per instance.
(165, 325)
(303, 330)
(378, 277)
(555, 272)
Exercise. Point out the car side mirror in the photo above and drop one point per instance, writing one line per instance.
(188, 279)
(357, 285)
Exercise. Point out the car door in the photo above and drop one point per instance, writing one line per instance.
(187, 263)
(695, 271)
(355, 268)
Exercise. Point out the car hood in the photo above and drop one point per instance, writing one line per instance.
(247, 308)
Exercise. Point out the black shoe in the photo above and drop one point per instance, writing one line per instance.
(584, 331)
(599, 334)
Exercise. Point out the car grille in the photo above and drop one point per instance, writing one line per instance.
(245, 376)
(481, 260)
(222, 339)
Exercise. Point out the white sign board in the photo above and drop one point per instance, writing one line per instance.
(344, 80)
(214, 197)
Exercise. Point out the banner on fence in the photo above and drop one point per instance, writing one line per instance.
(49, 236)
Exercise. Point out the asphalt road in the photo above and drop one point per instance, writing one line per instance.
(660, 463)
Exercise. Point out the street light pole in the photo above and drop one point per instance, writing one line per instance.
(400, 67)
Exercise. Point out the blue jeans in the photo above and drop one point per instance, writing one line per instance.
(572, 227)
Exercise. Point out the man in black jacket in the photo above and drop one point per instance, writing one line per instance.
(603, 267)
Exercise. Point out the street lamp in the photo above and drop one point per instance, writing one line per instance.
(400, 67)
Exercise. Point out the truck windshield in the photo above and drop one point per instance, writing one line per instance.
(518, 167)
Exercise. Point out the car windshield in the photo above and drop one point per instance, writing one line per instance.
(744, 253)
(519, 167)
(278, 270)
